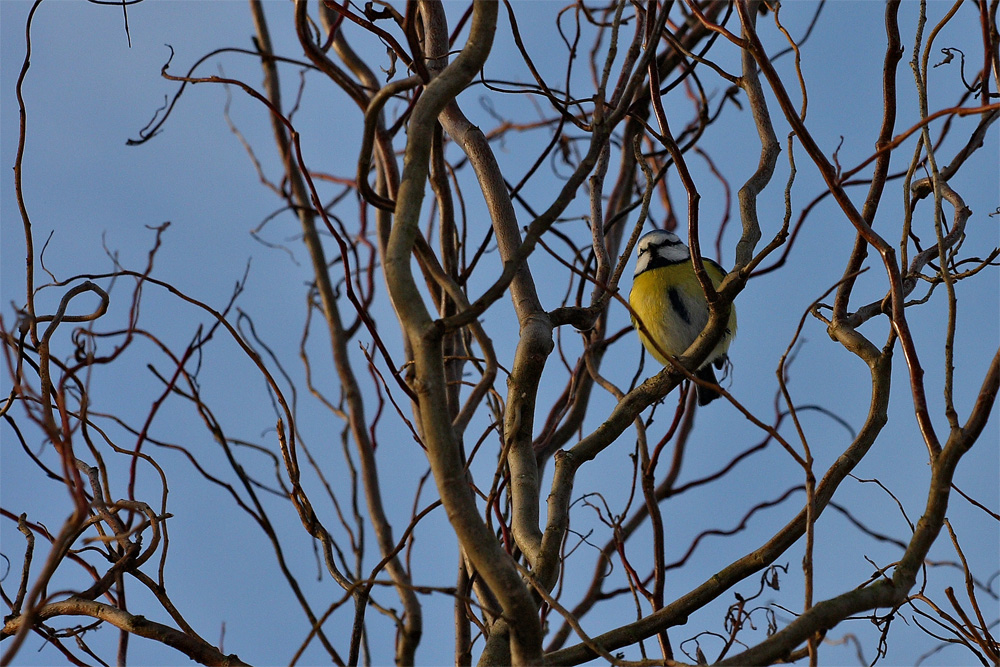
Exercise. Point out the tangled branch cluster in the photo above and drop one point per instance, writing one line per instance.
(415, 292)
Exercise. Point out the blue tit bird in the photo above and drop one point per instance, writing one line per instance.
(667, 297)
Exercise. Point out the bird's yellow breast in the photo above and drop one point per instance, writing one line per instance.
(671, 305)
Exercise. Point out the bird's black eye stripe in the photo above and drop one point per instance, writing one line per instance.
(651, 247)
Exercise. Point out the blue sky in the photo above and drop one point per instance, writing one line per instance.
(88, 91)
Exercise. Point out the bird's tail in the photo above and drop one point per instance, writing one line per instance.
(706, 394)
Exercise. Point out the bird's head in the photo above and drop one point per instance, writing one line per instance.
(659, 244)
